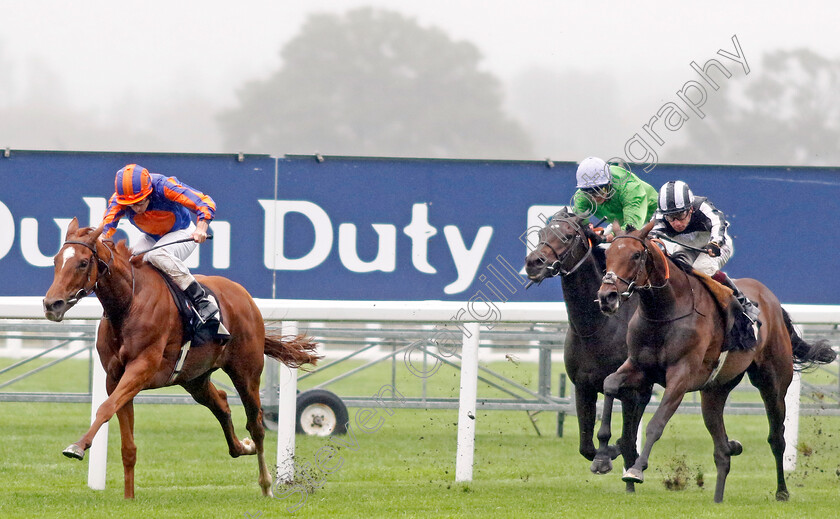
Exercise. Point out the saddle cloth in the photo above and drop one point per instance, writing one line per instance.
(190, 323)
(739, 330)
(722, 294)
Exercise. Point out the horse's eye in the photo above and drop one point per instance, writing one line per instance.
(637, 255)
(83, 264)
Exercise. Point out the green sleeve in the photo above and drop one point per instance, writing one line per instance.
(635, 206)
(634, 198)
(583, 205)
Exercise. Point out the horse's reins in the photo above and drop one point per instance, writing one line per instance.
(105, 270)
(610, 277)
(556, 267)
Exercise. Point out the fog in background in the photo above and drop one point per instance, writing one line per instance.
(450, 79)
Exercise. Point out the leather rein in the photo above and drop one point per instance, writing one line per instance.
(611, 277)
(556, 267)
(104, 268)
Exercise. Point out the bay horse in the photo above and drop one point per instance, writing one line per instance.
(595, 345)
(140, 337)
(676, 337)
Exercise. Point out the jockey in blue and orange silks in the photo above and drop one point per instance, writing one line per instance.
(162, 208)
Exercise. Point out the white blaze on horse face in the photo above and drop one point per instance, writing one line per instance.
(69, 252)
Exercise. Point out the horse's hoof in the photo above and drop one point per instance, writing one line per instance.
(782, 495)
(633, 475)
(249, 446)
(601, 466)
(74, 451)
(735, 448)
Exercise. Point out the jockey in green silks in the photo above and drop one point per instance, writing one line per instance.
(612, 193)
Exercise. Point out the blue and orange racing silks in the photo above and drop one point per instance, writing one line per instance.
(171, 204)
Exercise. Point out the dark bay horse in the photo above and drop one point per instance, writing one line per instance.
(139, 343)
(676, 338)
(595, 344)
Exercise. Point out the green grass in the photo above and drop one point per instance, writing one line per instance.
(406, 469)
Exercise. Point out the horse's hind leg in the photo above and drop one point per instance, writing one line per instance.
(206, 394)
(773, 386)
(129, 449)
(712, 403)
(248, 387)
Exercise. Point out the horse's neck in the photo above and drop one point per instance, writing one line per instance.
(580, 290)
(667, 299)
(116, 287)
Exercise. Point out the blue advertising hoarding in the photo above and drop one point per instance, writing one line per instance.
(347, 228)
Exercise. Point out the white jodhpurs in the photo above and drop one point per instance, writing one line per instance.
(701, 261)
(170, 259)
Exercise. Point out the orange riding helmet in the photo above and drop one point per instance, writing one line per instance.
(132, 184)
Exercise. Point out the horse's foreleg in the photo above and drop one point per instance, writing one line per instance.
(629, 385)
(129, 449)
(633, 406)
(602, 464)
(135, 377)
(586, 399)
(676, 382)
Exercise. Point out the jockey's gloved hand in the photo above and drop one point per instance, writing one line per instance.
(712, 249)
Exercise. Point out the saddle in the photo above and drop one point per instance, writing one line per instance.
(191, 329)
(739, 331)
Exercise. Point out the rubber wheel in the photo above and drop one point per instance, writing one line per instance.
(320, 413)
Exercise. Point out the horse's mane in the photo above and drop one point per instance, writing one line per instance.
(121, 248)
(567, 214)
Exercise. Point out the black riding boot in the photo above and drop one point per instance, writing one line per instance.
(206, 309)
(749, 308)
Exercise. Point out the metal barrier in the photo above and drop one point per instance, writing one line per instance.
(529, 332)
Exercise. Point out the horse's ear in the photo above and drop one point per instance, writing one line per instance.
(646, 229)
(72, 228)
(94, 235)
(616, 228)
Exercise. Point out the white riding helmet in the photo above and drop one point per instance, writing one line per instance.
(593, 172)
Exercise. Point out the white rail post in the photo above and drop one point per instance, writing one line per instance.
(467, 403)
(98, 460)
(287, 414)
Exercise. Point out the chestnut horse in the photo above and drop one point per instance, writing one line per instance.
(676, 338)
(139, 343)
(595, 344)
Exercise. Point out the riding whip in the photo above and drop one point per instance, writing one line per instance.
(209, 237)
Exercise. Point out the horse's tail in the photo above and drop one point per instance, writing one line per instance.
(806, 356)
(293, 351)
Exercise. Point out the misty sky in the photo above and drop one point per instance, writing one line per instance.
(142, 61)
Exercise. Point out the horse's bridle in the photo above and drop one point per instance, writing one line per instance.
(102, 267)
(556, 267)
(632, 285)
